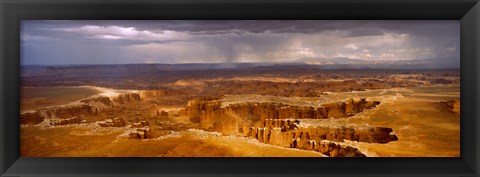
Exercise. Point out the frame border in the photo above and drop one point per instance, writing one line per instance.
(13, 11)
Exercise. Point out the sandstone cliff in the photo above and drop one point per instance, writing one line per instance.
(212, 116)
(323, 139)
(126, 98)
(153, 93)
(87, 107)
(56, 122)
(283, 136)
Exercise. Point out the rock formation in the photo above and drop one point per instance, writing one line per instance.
(73, 111)
(145, 94)
(333, 149)
(100, 99)
(278, 124)
(56, 122)
(164, 114)
(86, 107)
(116, 122)
(140, 133)
(142, 123)
(282, 136)
(31, 118)
(126, 98)
(453, 106)
(323, 139)
(212, 116)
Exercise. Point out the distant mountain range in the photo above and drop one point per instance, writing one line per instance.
(430, 63)
(318, 63)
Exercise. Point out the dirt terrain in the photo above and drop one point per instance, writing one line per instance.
(249, 111)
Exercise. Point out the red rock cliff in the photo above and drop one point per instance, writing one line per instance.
(212, 116)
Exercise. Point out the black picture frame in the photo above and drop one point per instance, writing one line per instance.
(13, 11)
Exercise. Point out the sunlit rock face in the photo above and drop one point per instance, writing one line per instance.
(126, 98)
(140, 133)
(56, 122)
(287, 133)
(277, 124)
(102, 100)
(152, 93)
(234, 118)
(85, 108)
(116, 122)
(283, 136)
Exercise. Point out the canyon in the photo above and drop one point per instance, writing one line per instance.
(244, 112)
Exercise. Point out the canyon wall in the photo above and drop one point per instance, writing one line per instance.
(306, 140)
(153, 93)
(279, 124)
(56, 122)
(283, 136)
(323, 139)
(126, 98)
(86, 107)
(212, 116)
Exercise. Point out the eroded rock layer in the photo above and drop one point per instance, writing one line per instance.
(237, 118)
(86, 107)
(286, 133)
(283, 136)
(278, 124)
(56, 122)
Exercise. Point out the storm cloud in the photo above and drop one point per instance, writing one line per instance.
(60, 42)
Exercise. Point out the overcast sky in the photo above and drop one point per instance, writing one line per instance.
(121, 42)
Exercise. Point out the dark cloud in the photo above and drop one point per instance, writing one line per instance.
(55, 42)
(255, 26)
